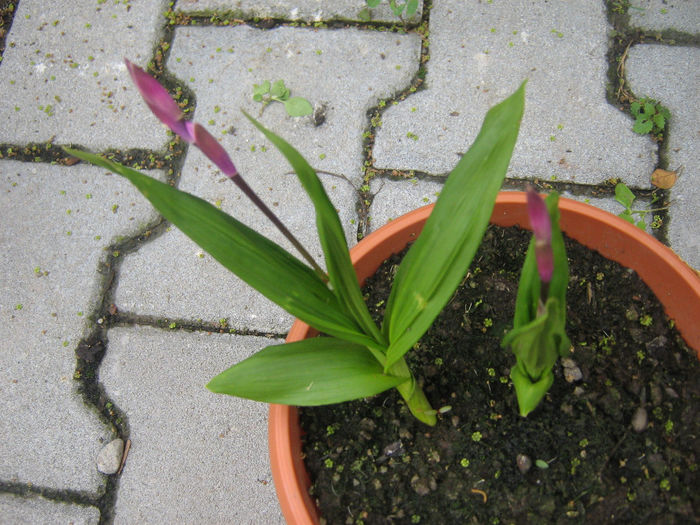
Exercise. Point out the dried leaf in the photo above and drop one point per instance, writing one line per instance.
(664, 179)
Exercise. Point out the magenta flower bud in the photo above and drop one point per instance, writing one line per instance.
(542, 229)
(160, 102)
(213, 150)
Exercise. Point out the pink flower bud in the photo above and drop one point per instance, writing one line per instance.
(213, 150)
(542, 229)
(160, 102)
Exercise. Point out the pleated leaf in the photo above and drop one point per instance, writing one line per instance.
(311, 372)
(438, 260)
(261, 263)
(335, 249)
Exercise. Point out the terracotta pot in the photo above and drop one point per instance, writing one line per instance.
(671, 280)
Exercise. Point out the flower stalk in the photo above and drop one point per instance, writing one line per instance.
(163, 106)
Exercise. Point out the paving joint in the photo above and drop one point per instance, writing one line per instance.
(374, 118)
(122, 319)
(104, 503)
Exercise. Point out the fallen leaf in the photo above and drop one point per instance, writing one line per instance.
(664, 179)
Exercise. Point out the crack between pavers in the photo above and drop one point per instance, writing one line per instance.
(374, 118)
(74, 497)
(171, 324)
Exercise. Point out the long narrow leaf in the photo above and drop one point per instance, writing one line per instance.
(311, 372)
(340, 271)
(261, 263)
(441, 255)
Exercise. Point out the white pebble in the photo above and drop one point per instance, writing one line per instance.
(110, 457)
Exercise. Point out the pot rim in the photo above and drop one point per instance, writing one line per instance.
(673, 282)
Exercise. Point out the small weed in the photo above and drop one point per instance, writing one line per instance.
(624, 196)
(620, 6)
(277, 91)
(400, 9)
(649, 117)
(476, 436)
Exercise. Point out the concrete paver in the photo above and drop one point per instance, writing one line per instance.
(671, 75)
(56, 223)
(41, 511)
(659, 15)
(481, 54)
(195, 456)
(64, 78)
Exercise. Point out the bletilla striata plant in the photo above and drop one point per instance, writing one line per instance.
(355, 358)
(538, 337)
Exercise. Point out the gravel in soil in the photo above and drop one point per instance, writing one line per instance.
(615, 440)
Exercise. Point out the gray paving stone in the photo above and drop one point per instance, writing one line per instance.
(479, 54)
(62, 74)
(306, 10)
(354, 77)
(395, 198)
(17, 510)
(195, 456)
(658, 15)
(672, 76)
(57, 221)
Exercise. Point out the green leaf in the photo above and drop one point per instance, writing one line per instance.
(624, 195)
(440, 257)
(373, 3)
(411, 7)
(261, 263)
(537, 346)
(643, 126)
(642, 225)
(340, 271)
(311, 372)
(396, 8)
(261, 89)
(364, 15)
(298, 107)
(635, 107)
(627, 215)
(659, 120)
(279, 91)
(649, 109)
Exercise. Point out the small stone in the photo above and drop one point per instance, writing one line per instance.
(393, 448)
(579, 391)
(524, 463)
(640, 420)
(110, 457)
(656, 395)
(567, 362)
(670, 392)
(657, 344)
(421, 486)
(573, 374)
(367, 424)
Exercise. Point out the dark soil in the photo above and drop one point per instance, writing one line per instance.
(372, 462)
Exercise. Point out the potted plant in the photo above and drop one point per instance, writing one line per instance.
(357, 359)
(671, 280)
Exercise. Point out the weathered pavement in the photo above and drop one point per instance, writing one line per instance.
(89, 268)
